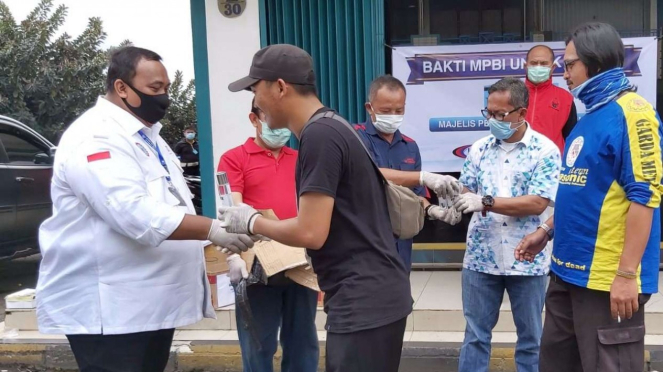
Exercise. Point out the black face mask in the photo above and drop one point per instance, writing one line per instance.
(152, 107)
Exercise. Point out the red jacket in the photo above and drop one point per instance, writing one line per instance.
(551, 111)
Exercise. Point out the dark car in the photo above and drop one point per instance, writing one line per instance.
(26, 168)
(194, 186)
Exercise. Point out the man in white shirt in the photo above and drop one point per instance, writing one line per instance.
(122, 254)
(510, 178)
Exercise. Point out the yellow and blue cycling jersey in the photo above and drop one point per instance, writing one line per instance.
(612, 159)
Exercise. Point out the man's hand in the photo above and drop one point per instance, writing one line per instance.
(448, 215)
(233, 242)
(531, 245)
(469, 203)
(237, 268)
(624, 297)
(442, 185)
(238, 219)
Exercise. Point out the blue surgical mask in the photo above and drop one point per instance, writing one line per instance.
(274, 138)
(190, 136)
(502, 129)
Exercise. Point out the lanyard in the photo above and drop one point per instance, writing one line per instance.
(156, 150)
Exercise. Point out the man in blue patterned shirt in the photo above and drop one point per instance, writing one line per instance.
(510, 178)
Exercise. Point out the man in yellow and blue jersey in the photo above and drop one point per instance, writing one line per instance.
(605, 258)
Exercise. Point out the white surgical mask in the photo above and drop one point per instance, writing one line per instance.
(388, 124)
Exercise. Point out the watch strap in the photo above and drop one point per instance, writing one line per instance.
(428, 207)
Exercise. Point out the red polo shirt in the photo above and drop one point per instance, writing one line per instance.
(551, 111)
(263, 181)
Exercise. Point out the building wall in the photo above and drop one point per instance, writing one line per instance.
(563, 15)
(231, 44)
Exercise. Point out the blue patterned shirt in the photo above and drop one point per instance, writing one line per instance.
(508, 170)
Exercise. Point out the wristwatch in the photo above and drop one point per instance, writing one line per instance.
(550, 232)
(488, 202)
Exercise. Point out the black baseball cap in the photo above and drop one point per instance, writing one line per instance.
(279, 61)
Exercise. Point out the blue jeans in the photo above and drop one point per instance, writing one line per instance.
(404, 248)
(482, 297)
(291, 308)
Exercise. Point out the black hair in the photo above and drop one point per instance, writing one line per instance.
(123, 64)
(519, 97)
(189, 128)
(552, 53)
(305, 89)
(254, 108)
(301, 89)
(387, 81)
(598, 46)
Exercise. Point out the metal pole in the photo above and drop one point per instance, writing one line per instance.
(421, 17)
(542, 6)
(524, 20)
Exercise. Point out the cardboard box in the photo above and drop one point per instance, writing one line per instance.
(304, 275)
(215, 260)
(276, 257)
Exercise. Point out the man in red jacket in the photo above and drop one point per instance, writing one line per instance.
(551, 110)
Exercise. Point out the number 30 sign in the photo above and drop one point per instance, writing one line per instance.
(231, 8)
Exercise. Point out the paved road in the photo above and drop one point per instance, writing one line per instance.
(16, 275)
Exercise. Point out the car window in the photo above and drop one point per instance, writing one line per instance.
(20, 147)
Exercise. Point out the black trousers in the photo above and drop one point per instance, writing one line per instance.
(372, 350)
(191, 171)
(132, 352)
(579, 334)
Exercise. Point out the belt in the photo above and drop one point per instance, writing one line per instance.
(186, 165)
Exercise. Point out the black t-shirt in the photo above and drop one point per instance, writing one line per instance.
(186, 152)
(365, 282)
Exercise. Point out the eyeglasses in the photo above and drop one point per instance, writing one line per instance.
(569, 63)
(489, 114)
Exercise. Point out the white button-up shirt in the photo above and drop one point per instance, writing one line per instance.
(508, 170)
(107, 267)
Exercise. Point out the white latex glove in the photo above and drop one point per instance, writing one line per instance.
(442, 185)
(233, 242)
(448, 215)
(239, 218)
(237, 267)
(255, 238)
(469, 203)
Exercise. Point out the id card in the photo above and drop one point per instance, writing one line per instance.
(176, 194)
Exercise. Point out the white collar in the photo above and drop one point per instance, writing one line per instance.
(127, 121)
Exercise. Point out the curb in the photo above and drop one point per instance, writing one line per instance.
(225, 356)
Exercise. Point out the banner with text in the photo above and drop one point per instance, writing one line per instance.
(447, 86)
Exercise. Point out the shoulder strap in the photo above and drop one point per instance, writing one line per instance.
(332, 115)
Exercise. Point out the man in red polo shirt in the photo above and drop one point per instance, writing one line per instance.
(262, 174)
(551, 110)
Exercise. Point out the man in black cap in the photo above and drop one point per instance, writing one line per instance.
(346, 229)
